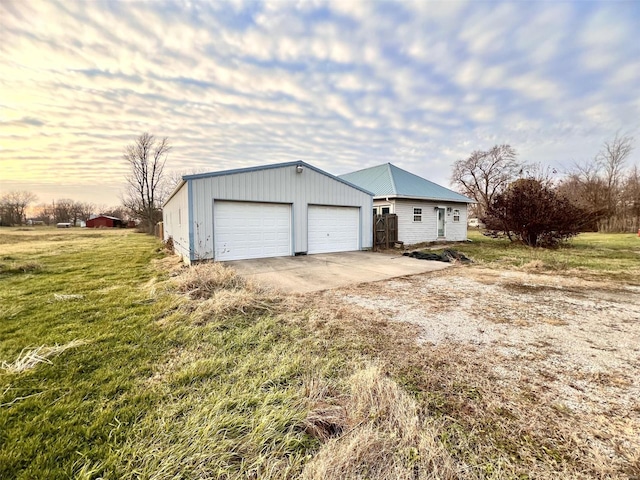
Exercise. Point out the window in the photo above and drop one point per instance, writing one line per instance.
(417, 214)
(456, 215)
(379, 210)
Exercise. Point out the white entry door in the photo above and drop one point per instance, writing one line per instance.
(251, 230)
(333, 229)
(441, 217)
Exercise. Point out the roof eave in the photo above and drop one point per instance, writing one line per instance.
(416, 197)
(175, 190)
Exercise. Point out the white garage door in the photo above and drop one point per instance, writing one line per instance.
(333, 229)
(251, 230)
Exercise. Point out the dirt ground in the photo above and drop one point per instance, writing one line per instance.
(576, 343)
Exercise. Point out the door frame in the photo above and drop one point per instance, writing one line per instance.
(443, 211)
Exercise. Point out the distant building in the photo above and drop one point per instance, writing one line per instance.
(105, 221)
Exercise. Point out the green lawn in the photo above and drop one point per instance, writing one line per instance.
(614, 256)
(130, 397)
(137, 378)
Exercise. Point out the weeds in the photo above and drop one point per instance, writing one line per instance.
(28, 358)
(18, 268)
(203, 280)
(59, 297)
(385, 436)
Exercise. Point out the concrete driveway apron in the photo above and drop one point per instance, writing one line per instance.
(310, 273)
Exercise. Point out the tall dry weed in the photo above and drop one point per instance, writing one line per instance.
(216, 291)
(202, 280)
(383, 435)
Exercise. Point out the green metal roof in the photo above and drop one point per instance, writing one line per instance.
(387, 180)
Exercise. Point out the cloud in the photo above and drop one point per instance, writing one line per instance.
(339, 84)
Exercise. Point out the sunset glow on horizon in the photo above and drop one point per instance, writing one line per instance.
(340, 85)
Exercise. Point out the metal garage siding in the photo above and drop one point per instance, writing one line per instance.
(277, 185)
(175, 218)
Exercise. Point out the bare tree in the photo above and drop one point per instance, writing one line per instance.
(611, 160)
(42, 213)
(485, 174)
(117, 211)
(599, 185)
(64, 210)
(13, 206)
(143, 197)
(631, 199)
(82, 211)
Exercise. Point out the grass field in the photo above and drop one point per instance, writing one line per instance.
(614, 256)
(115, 362)
(141, 390)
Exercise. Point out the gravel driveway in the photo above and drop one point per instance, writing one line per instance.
(576, 342)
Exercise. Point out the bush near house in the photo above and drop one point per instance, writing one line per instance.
(532, 213)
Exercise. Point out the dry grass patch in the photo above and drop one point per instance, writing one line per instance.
(379, 433)
(215, 291)
(203, 280)
(234, 302)
(7, 267)
(30, 357)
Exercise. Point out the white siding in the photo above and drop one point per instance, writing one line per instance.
(175, 218)
(456, 231)
(278, 185)
(411, 232)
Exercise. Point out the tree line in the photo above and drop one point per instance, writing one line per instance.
(19, 207)
(146, 188)
(527, 203)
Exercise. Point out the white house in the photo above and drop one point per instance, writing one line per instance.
(267, 211)
(426, 211)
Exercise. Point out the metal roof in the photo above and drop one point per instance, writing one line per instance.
(93, 217)
(387, 180)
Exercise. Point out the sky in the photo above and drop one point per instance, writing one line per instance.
(342, 85)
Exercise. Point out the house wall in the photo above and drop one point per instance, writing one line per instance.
(411, 232)
(175, 218)
(276, 185)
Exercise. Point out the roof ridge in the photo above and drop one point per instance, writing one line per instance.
(426, 179)
(393, 181)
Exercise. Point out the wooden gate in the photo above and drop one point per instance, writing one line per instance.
(385, 230)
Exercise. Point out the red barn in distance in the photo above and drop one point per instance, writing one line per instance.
(105, 221)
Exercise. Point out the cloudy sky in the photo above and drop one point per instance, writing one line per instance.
(342, 85)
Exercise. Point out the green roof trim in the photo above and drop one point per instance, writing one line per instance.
(387, 180)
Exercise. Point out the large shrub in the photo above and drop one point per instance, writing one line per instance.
(531, 212)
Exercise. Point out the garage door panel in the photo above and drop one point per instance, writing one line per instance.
(251, 230)
(333, 229)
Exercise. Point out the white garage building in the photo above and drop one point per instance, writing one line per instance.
(267, 211)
